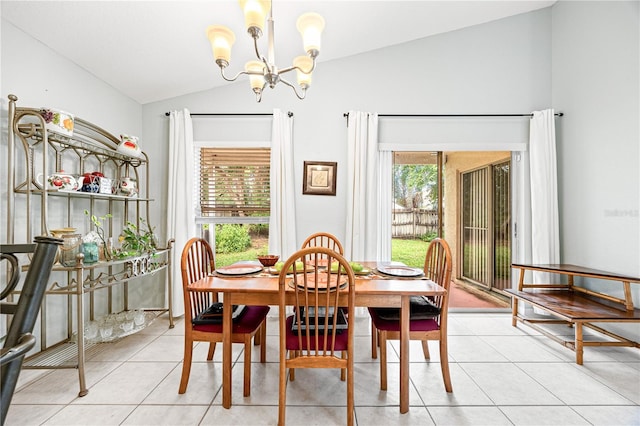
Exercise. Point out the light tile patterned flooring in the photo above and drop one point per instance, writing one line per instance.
(501, 376)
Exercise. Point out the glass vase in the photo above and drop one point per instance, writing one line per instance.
(106, 249)
(90, 251)
(70, 249)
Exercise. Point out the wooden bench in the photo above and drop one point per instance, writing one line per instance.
(575, 306)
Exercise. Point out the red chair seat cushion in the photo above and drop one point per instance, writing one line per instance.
(429, 324)
(293, 342)
(246, 323)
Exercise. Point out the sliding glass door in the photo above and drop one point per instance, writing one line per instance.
(485, 223)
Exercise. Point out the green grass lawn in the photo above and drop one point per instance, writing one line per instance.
(409, 252)
(225, 259)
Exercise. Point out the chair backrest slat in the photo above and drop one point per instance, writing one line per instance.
(437, 267)
(197, 262)
(324, 239)
(320, 298)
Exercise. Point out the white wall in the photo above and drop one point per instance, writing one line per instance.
(39, 77)
(596, 82)
(499, 67)
(596, 55)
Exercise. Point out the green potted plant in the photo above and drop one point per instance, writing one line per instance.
(136, 241)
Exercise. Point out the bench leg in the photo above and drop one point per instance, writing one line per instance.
(514, 311)
(579, 347)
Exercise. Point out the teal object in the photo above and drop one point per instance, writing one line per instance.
(90, 251)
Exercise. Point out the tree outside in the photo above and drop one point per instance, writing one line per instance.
(415, 185)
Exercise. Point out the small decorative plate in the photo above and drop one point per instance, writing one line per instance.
(322, 263)
(322, 283)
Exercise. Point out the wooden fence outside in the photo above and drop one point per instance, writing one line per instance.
(413, 223)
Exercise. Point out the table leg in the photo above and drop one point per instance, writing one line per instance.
(404, 355)
(227, 309)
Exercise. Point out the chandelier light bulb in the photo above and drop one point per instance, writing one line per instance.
(255, 13)
(221, 38)
(311, 26)
(255, 69)
(303, 64)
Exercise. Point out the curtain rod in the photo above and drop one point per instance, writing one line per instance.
(232, 114)
(557, 114)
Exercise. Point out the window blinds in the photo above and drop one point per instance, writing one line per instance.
(234, 181)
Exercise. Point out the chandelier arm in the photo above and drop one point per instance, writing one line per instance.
(267, 65)
(255, 47)
(295, 89)
(260, 56)
(237, 75)
(286, 70)
(293, 67)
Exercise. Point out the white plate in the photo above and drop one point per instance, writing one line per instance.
(239, 269)
(400, 271)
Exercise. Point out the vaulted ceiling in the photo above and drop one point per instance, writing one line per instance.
(154, 50)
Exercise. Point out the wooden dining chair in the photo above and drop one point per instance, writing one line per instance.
(323, 239)
(202, 324)
(428, 316)
(318, 330)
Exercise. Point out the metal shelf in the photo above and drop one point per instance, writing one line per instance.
(105, 279)
(33, 150)
(62, 355)
(80, 194)
(65, 354)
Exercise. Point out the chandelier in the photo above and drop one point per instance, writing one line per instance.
(263, 71)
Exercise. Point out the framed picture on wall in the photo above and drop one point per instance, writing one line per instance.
(319, 178)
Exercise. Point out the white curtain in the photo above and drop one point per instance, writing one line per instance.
(545, 233)
(180, 207)
(368, 225)
(282, 222)
(385, 203)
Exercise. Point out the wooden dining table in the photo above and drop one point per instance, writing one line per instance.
(372, 290)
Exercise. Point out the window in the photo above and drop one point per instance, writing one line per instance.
(234, 201)
(234, 182)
